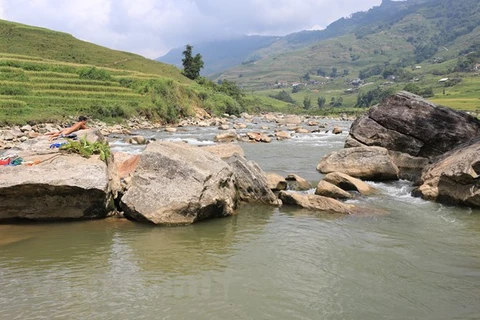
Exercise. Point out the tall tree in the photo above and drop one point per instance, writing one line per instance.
(191, 65)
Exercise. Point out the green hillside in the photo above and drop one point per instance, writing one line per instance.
(48, 76)
(24, 40)
(388, 47)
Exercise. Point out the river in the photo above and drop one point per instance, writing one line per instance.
(419, 261)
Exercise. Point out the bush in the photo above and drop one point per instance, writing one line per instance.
(14, 91)
(93, 73)
(283, 96)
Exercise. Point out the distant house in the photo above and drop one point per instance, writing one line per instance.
(477, 67)
(418, 67)
(443, 80)
(295, 84)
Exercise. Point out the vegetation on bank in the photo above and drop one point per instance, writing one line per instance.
(34, 89)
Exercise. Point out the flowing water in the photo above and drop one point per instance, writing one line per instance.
(417, 260)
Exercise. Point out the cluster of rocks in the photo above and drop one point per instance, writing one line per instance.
(279, 129)
(407, 137)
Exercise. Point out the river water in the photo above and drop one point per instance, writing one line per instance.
(418, 260)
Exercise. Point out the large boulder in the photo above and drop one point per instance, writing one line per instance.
(176, 183)
(367, 163)
(251, 182)
(407, 123)
(224, 150)
(57, 187)
(454, 178)
(315, 202)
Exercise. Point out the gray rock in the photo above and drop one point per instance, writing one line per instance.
(330, 190)
(276, 182)
(454, 178)
(315, 202)
(60, 187)
(176, 183)
(348, 183)
(251, 182)
(407, 123)
(368, 163)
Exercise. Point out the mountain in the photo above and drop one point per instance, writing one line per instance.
(221, 55)
(406, 32)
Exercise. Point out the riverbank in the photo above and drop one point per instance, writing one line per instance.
(12, 136)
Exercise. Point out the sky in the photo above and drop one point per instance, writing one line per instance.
(152, 27)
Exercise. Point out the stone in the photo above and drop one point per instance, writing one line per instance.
(58, 188)
(302, 130)
(410, 167)
(228, 136)
(224, 150)
(454, 178)
(297, 183)
(170, 129)
(315, 202)
(276, 182)
(327, 189)
(251, 182)
(177, 183)
(408, 123)
(348, 183)
(136, 140)
(367, 163)
(337, 130)
(282, 135)
(224, 127)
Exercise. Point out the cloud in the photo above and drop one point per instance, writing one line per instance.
(152, 27)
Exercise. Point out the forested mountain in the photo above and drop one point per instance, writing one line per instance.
(404, 32)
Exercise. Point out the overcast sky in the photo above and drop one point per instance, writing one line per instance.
(153, 27)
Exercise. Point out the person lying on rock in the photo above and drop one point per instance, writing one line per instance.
(81, 124)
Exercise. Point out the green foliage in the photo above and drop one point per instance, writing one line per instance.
(296, 89)
(452, 82)
(415, 89)
(307, 103)
(191, 65)
(283, 96)
(14, 90)
(87, 149)
(92, 73)
(321, 102)
(373, 97)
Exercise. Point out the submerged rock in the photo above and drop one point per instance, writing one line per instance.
(315, 202)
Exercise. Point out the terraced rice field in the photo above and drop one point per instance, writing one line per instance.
(33, 89)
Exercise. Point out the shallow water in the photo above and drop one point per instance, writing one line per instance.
(418, 260)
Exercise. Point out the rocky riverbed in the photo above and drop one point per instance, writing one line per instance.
(169, 183)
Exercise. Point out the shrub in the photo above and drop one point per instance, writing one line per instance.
(93, 73)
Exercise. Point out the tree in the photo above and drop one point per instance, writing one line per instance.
(321, 102)
(191, 65)
(307, 103)
(333, 74)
